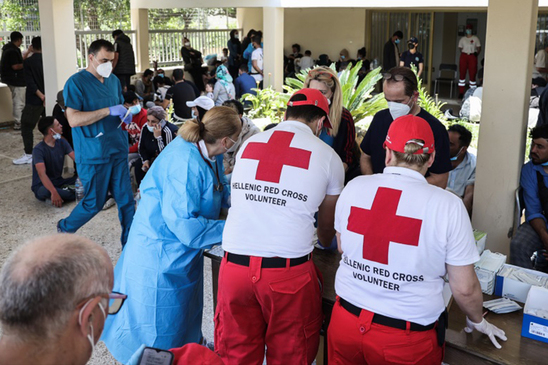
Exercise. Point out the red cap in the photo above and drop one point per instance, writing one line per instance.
(313, 97)
(404, 129)
(469, 26)
(193, 353)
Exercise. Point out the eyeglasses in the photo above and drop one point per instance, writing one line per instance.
(398, 77)
(115, 302)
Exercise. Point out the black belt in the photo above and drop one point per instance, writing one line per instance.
(386, 321)
(267, 262)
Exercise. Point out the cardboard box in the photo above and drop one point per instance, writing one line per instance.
(535, 327)
(481, 238)
(486, 269)
(513, 289)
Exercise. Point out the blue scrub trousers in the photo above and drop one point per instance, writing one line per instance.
(98, 180)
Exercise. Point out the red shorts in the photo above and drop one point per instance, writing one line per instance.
(280, 308)
(356, 340)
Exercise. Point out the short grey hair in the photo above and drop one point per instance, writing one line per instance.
(38, 298)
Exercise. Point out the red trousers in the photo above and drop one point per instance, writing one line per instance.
(467, 63)
(277, 308)
(356, 340)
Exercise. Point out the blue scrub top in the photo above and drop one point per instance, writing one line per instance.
(327, 138)
(96, 143)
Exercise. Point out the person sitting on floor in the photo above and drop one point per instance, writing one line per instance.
(48, 158)
(463, 175)
(135, 127)
(200, 106)
(532, 235)
(154, 138)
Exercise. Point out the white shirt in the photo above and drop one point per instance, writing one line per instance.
(469, 45)
(306, 62)
(257, 55)
(423, 227)
(273, 207)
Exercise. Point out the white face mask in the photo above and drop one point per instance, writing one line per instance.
(90, 335)
(187, 44)
(398, 109)
(56, 135)
(233, 148)
(104, 69)
(193, 114)
(319, 129)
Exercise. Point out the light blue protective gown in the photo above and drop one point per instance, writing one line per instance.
(161, 266)
(101, 152)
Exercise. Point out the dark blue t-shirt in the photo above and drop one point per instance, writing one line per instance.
(409, 58)
(243, 85)
(373, 141)
(53, 158)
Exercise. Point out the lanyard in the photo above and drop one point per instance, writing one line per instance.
(219, 185)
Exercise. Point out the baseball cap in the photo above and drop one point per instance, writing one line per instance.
(315, 98)
(413, 40)
(129, 96)
(469, 26)
(203, 102)
(407, 128)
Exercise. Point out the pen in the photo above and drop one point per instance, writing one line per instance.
(125, 116)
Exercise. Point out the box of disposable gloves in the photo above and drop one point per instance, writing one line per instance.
(486, 269)
(514, 282)
(481, 238)
(535, 315)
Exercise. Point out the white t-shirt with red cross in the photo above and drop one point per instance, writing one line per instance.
(397, 234)
(469, 45)
(280, 178)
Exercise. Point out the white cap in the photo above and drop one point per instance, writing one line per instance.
(203, 102)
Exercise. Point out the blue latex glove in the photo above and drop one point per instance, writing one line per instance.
(136, 357)
(121, 112)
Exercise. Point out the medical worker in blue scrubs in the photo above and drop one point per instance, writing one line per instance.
(161, 267)
(94, 106)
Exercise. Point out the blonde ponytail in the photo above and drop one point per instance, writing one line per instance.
(218, 122)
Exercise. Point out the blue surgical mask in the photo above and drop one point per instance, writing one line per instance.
(135, 109)
(194, 116)
(161, 75)
(342, 57)
(468, 31)
(397, 41)
(544, 164)
(457, 155)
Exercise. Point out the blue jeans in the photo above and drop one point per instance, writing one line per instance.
(41, 193)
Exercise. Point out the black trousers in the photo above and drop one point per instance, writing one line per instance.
(30, 117)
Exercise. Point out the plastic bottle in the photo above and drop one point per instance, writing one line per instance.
(79, 190)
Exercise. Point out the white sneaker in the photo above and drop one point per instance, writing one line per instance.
(23, 160)
(109, 204)
(17, 126)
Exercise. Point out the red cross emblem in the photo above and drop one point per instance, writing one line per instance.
(380, 225)
(275, 154)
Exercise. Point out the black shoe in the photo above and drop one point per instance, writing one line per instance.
(461, 95)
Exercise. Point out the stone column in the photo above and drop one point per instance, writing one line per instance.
(273, 39)
(504, 117)
(58, 46)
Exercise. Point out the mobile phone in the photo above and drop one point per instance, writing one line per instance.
(152, 356)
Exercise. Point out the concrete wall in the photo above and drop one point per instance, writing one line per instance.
(325, 30)
(249, 18)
